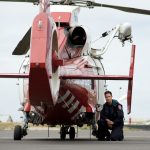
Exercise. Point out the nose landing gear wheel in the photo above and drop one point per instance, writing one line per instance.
(72, 133)
(18, 132)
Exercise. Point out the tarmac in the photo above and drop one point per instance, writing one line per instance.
(39, 140)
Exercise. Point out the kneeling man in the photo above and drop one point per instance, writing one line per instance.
(111, 119)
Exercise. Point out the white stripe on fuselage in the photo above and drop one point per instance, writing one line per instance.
(68, 102)
(62, 98)
(73, 107)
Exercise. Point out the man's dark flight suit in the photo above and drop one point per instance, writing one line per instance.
(113, 112)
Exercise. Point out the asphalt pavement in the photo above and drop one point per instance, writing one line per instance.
(39, 140)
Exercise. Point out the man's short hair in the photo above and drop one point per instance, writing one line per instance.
(108, 92)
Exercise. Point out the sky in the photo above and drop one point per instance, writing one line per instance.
(16, 18)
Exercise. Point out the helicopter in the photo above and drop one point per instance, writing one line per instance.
(63, 77)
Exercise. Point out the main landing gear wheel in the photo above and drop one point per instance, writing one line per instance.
(63, 133)
(18, 132)
(72, 133)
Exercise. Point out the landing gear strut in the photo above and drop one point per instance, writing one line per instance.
(64, 130)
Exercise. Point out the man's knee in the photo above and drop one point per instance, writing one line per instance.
(102, 131)
(117, 135)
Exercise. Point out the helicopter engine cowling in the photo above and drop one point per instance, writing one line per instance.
(77, 35)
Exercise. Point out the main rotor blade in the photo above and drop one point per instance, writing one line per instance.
(24, 45)
(19, 1)
(126, 9)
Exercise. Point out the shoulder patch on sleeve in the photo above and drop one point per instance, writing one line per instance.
(119, 107)
(114, 102)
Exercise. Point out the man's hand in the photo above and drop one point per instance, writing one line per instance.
(109, 123)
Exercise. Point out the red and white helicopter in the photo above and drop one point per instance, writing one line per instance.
(63, 77)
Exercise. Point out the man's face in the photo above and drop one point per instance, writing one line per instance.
(108, 98)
